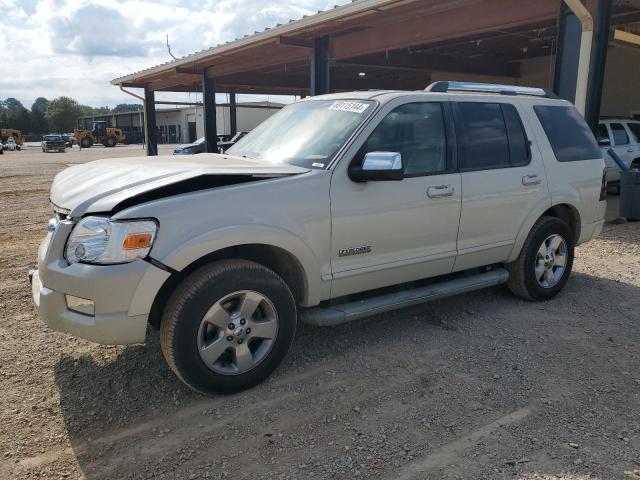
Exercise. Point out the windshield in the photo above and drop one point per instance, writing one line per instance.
(52, 138)
(307, 133)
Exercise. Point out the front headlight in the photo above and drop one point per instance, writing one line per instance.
(103, 241)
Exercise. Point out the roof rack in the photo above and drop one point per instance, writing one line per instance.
(444, 87)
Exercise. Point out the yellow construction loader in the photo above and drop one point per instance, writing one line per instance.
(7, 133)
(100, 133)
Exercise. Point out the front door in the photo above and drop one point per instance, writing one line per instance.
(390, 232)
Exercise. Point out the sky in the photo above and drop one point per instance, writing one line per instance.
(75, 48)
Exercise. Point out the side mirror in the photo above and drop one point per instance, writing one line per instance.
(379, 166)
(604, 142)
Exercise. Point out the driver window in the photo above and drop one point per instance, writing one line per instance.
(417, 132)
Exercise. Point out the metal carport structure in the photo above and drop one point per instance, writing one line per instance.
(395, 44)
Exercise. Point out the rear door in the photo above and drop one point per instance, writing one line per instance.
(503, 180)
(622, 142)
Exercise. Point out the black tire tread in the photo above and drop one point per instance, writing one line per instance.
(185, 292)
(518, 268)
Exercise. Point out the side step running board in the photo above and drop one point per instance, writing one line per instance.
(337, 314)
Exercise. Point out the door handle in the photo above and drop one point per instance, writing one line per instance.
(630, 150)
(440, 191)
(528, 180)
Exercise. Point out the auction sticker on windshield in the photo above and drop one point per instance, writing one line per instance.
(354, 107)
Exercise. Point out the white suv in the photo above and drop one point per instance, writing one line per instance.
(337, 207)
(623, 135)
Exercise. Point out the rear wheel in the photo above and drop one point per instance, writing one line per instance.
(86, 142)
(543, 267)
(228, 326)
(110, 142)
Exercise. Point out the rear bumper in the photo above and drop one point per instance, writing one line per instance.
(590, 231)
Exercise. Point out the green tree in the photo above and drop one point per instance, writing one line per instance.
(14, 115)
(62, 113)
(13, 106)
(127, 107)
(39, 123)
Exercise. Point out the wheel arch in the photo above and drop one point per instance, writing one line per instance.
(275, 258)
(564, 211)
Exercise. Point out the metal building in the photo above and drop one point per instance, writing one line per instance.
(185, 124)
(587, 52)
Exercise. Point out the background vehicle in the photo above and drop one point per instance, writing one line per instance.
(191, 148)
(623, 135)
(53, 143)
(7, 133)
(69, 138)
(224, 145)
(199, 146)
(11, 145)
(334, 208)
(100, 133)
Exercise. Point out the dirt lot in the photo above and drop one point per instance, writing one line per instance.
(482, 386)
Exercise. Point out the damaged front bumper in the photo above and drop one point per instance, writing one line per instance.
(120, 295)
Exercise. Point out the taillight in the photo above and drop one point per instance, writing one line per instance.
(603, 188)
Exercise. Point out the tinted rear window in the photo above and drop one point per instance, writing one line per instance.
(569, 135)
(635, 129)
(491, 136)
(620, 136)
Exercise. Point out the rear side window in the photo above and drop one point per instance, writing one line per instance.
(635, 130)
(569, 135)
(491, 136)
(620, 136)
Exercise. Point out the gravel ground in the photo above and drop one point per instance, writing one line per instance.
(481, 386)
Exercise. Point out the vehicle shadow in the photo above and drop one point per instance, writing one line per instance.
(100, 394)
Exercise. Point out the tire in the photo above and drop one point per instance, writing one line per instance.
(86, 142)
(535, 278)
(184, 333)
(110, 142)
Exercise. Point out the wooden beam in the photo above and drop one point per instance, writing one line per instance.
(474, 19)
(626, 37)
(294, 42)
(188, 71)
(403, 60)
(282, 56)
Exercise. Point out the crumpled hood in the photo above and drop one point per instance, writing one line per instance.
(100, 185)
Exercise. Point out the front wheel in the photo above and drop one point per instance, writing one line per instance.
(228, 326)
(86, 142)
(543, 267)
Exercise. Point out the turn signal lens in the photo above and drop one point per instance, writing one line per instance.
(137, 240)
(103, 241)
(603, 187)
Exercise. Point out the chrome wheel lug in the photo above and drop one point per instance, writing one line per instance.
(239, 341)
(248, 331)
(243, 321)
(231, 326)
(229, 338)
